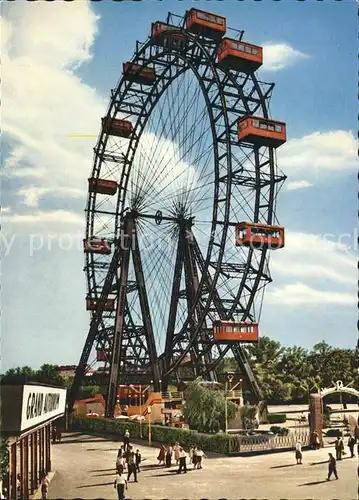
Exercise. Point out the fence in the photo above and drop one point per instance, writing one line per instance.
(239, 444)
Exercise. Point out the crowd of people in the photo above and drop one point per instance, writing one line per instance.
(339, 452)
(176, 452)
(128, 461)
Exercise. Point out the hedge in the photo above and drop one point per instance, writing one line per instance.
(279, 431)
(217, 443)
(333, 433)
(277, 418)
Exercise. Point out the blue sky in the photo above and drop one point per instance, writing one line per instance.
(57, 81)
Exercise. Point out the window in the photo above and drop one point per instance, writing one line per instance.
(248, 50)
(240, 47)
(244, 125)
(263, 126)
(254, 52)
(255, 123)
(271, 127)
(204, 16)
(278, 128)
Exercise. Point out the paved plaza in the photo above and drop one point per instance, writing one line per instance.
(84, 468)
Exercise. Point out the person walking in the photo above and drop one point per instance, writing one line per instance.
(131, 462)
(339, 448)
(58, 434)
(126, 440)
(176, 450)
(298, 453)
(182, 461)
(332, 467)
(169, 456)
(138, 460)
(120, 484)
(161, 455)
(194, 456)
(18, 486)
(351, 444)
(53, 434)
(120, 462)
(44, 487)
(199, 457)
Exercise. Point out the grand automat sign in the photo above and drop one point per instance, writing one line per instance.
(40, 404)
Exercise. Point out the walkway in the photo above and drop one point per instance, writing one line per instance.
(84, 469)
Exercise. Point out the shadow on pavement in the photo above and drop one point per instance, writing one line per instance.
(169, 473)
(283, 466)
(71, 441)
(113, 473)
(93, 485)
(152, 466)
(96, 449)
(102, 470)
(313, 483)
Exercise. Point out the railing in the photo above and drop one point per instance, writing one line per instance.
(234, 394)
(172, 396)
(267, 442)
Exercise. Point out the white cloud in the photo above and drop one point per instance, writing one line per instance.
(277, 56)
(317, 258)
(300, 294)
(48, 219)
(43, 99)
(333, 150)
(32, 194)
(314, 270)
(292, 186)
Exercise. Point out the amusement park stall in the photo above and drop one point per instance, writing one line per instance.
(27, 411)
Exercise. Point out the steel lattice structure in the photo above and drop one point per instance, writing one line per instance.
(184, 181)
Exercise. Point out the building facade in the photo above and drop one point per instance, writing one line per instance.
(27, 413)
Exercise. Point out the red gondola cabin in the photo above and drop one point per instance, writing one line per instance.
(92, 304)
(139, 74)
(206, 24)
(102, 186)
(261, 131)
(102, 355)
(241, 56)
(259, 235)
(231, 331)
(119, 128)
(94, 245)
(161, 33)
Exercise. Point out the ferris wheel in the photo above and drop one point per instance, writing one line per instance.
(181, 208)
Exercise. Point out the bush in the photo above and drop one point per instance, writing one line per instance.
(277, 418)
(279, 431)
(217, 443)
(333, 433)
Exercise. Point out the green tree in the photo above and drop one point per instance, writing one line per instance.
(87, 391)
(205, 408)
(49, 374)
(4, 458)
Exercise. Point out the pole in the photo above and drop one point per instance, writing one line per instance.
(225, 409)
(140, 411)
(149, 427)
(67, 418)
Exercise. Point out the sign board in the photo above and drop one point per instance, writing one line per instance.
(40, 404)
(149, 410)
(24, 407)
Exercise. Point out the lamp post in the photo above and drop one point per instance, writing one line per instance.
(149, 410)
(140, 411)
(229, 379)
(225, 410)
